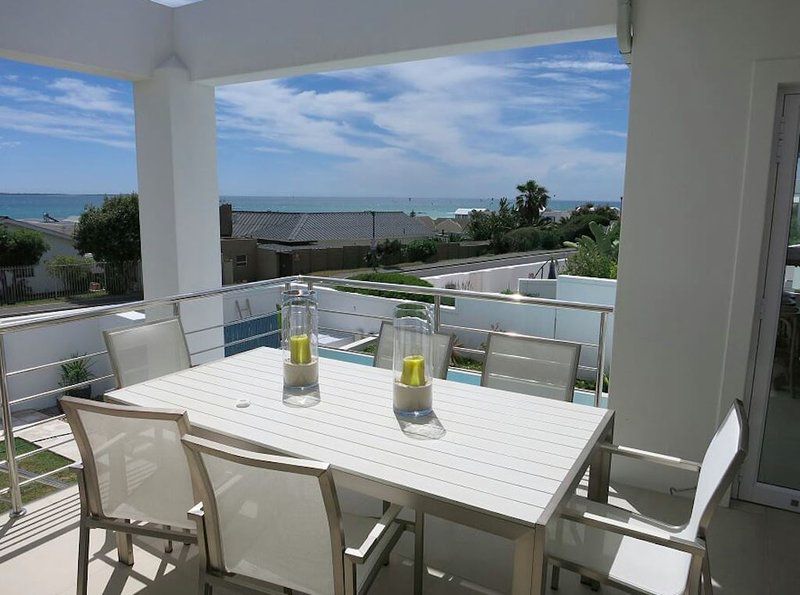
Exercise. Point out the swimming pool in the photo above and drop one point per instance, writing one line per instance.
(581, 396)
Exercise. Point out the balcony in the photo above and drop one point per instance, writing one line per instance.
(348, 324)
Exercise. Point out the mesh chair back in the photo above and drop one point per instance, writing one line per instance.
(720, 464)
(275, 519)
(531, 365)
(148, 351)
(133, 461)
(442, 350)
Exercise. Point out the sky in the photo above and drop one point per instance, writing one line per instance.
(468, 126)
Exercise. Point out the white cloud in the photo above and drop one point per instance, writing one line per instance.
(71, 127)
(67, 108)
(578, 65)
(449, 126)
(94, 98)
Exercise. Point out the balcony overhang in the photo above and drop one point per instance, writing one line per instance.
(226, 41)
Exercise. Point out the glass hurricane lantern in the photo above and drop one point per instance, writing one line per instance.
(412, 359)
(299, 340)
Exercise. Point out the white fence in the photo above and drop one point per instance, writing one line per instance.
(497, 279)
(89, 279)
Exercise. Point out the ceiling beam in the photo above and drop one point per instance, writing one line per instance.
(119, 38)
(227, 41)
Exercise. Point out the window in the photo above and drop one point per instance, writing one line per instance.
(241, 260)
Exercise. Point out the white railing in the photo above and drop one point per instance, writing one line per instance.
(174, 305)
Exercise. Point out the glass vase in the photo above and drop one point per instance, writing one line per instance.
(299, 340)
(412, 359)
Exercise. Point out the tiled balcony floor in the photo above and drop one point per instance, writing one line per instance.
(754, 551)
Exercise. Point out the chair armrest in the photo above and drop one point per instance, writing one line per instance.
(196, 512)
(637, 532)
(651, 457)
(360, 554)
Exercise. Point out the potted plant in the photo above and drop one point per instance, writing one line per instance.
(76, 372)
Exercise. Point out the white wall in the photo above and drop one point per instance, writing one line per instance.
(26, 349)
(494, 279)
(701, 120)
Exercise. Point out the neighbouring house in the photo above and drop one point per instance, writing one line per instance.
(464, 214)
(36, 279)
(264, 244)
(57, 234)
(426, 221)
(446, 227)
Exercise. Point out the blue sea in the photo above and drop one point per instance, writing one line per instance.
(63, 206)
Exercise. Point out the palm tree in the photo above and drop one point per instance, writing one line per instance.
(531, 202)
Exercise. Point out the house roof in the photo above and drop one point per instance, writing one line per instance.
(449, 226)
(60, 229)
(304, 228)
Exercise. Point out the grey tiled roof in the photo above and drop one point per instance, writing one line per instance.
(272, 226)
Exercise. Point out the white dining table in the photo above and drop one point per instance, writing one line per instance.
(494, 460)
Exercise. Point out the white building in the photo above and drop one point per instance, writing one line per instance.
(58, 235)
(463, 214)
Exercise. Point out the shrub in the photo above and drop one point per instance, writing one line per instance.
(587, 262)
(523, 239)
(551, 239)
(577, 224)
(74, 272)
(398, 278)
(596, 255)
(421, 249)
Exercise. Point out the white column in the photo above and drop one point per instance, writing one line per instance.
(178, 193)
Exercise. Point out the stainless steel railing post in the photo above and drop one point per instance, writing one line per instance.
(437, 313)
(8, 434)
(601, 359)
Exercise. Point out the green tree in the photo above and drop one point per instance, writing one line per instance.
(19, 248)
(111, 231)
(531, 202)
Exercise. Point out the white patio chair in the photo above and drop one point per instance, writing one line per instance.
(531, 365)
(442, 350)
(133, 477)
(267, 522)
(642, 555)
(147, 351)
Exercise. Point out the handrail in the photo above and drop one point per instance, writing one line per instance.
(48, 320)
(457, 293)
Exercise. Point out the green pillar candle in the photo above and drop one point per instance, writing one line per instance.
(413, 371)
(300, 349)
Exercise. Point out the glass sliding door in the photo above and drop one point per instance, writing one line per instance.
(772, 474)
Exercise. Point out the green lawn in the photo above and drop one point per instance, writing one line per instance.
(39, 463)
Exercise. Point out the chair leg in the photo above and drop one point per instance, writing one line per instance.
(554, 578)
(708, 586)
(385, 507)
(125, 548)
(419, 551)
(168, 545)
(83, 559)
